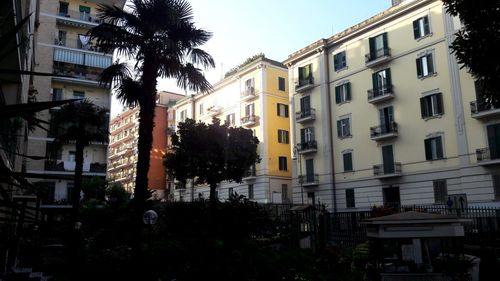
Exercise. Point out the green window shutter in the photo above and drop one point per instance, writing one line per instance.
(301, 73)
(428, 149)
(339, 129)
(85, 9)
(277, 109)
(348, 89)
(375, 83)
(343, 61)
(423, 108)
(384, 38)
(337, 95)
(439, 147)
(280, 140)
(347, 162)
(348, 127)
(430, 63)
(388, 78)
(286, 110)
(439, 101)
(427, 28)
(372, 47)
(302, 135)
(416, 29)
(336, 65)
(419, 67)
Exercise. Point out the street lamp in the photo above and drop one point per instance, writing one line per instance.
(296, 156)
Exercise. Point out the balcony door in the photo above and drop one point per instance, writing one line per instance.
(388, 159)
(309, 170)
(386, 119)
(306, 135)
(249, 110)
(305, 106)
(494, 140)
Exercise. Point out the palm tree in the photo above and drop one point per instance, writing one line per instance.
(80, 123)
(160, 35)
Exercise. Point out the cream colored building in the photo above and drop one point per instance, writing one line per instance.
(63, 48)
(254, 97)
(395, 119)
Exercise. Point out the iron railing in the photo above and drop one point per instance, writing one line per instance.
(384, 129)
(311, 113)
(380, 170)
(375, 93)
(376, 54)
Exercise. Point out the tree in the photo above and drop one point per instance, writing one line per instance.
(81, 123)
(161, 36)
(476, 45)
(211, 153)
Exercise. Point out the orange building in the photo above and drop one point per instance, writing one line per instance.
(124, 135)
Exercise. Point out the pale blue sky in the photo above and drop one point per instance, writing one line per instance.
(274, 27)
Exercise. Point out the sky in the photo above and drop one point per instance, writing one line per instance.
(277, 28)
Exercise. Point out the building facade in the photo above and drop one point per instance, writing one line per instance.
(124, 136)
(63, 48)
(395, 118)
(254, 97)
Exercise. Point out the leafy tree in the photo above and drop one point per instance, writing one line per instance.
(80, 123)
(116, 194)
(476, 45)
(94, 188)
(211, 153)
(161, 36)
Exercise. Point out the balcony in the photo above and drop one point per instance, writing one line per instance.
(303, 85)
(378, 57)
(304, 116)
(479, 110)
(249, 121)
(248, 94)
(380, 95)
(385, 131)
(307, 147)
(82, 57)
(69, 166)
(79, 75)
(486, 157)
(214, 110)
(77, 19)
(309, 180)
(250, 175)
(387, 171)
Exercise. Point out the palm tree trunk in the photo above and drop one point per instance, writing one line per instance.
(77, 187)
(213, 187)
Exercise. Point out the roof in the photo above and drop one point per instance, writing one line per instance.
(413, 217)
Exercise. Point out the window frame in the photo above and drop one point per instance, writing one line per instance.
(283, 136)
(280, 107)
(434, 148)
(428, 68)
(342, 123)
(281, 82)
(343, 93)
(440, 189)
(418, 24)
(340, 61)
(250, 191)
(350, 198)
(350, 162)
(431, 105)
(282, 163)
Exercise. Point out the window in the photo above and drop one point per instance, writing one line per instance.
(382, 82)
(425, 66)
(421, 27)
(85, 13)
(305, 75)
(61, 38)
(250, 110)
(440, 191)
(78, 94)
(391, 196)
(378, 46)
(249, 84)
(343, 93)
(347, 158)
(71, 156)
(57, 94)
(282, 163)
(434, 148)
(431, 105)
(493, 133)
(306, 135)
(250, 191)
(281, 83)
(230, 192)
(183, 115)
(230, 119)
(305, 106)
(349, 198)
(310, 176)
(339, 61)
(69, 190)
(343, 128)
(496, 186)
(283, 136)
(63, 9)
(282, 110)
(284, 192)
(202, 110)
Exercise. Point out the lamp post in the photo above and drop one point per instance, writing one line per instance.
(296, 156)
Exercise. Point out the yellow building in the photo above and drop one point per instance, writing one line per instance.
(254, 97)
(394, 117)
(63, 48)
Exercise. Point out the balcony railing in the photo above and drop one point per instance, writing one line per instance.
(69, 166)
(74, 56)
(77, 44)
(379, 95)
(387, 170)
(304, 84)
(384, 131)
(377, 57)
(480, 109)
(72, 17)
(309, 180)
(485, 156)
(77, 74)
(307, 147)
(249, 120)
(248, 93)
(250, 173)
(307, 115)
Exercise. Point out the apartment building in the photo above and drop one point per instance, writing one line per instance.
(255, 97)
(124, 136)
(64, 48)
(395, 119)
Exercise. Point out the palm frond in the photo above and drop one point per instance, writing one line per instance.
(10, 35)
(193, 79)
(129, 92)
(200, 57)
(115, 73)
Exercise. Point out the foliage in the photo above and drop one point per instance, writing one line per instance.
(211, 153)
(244, 63)
(94, 188)
(476, 45)
(161, 36)
(456, 267)
(117, 195)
